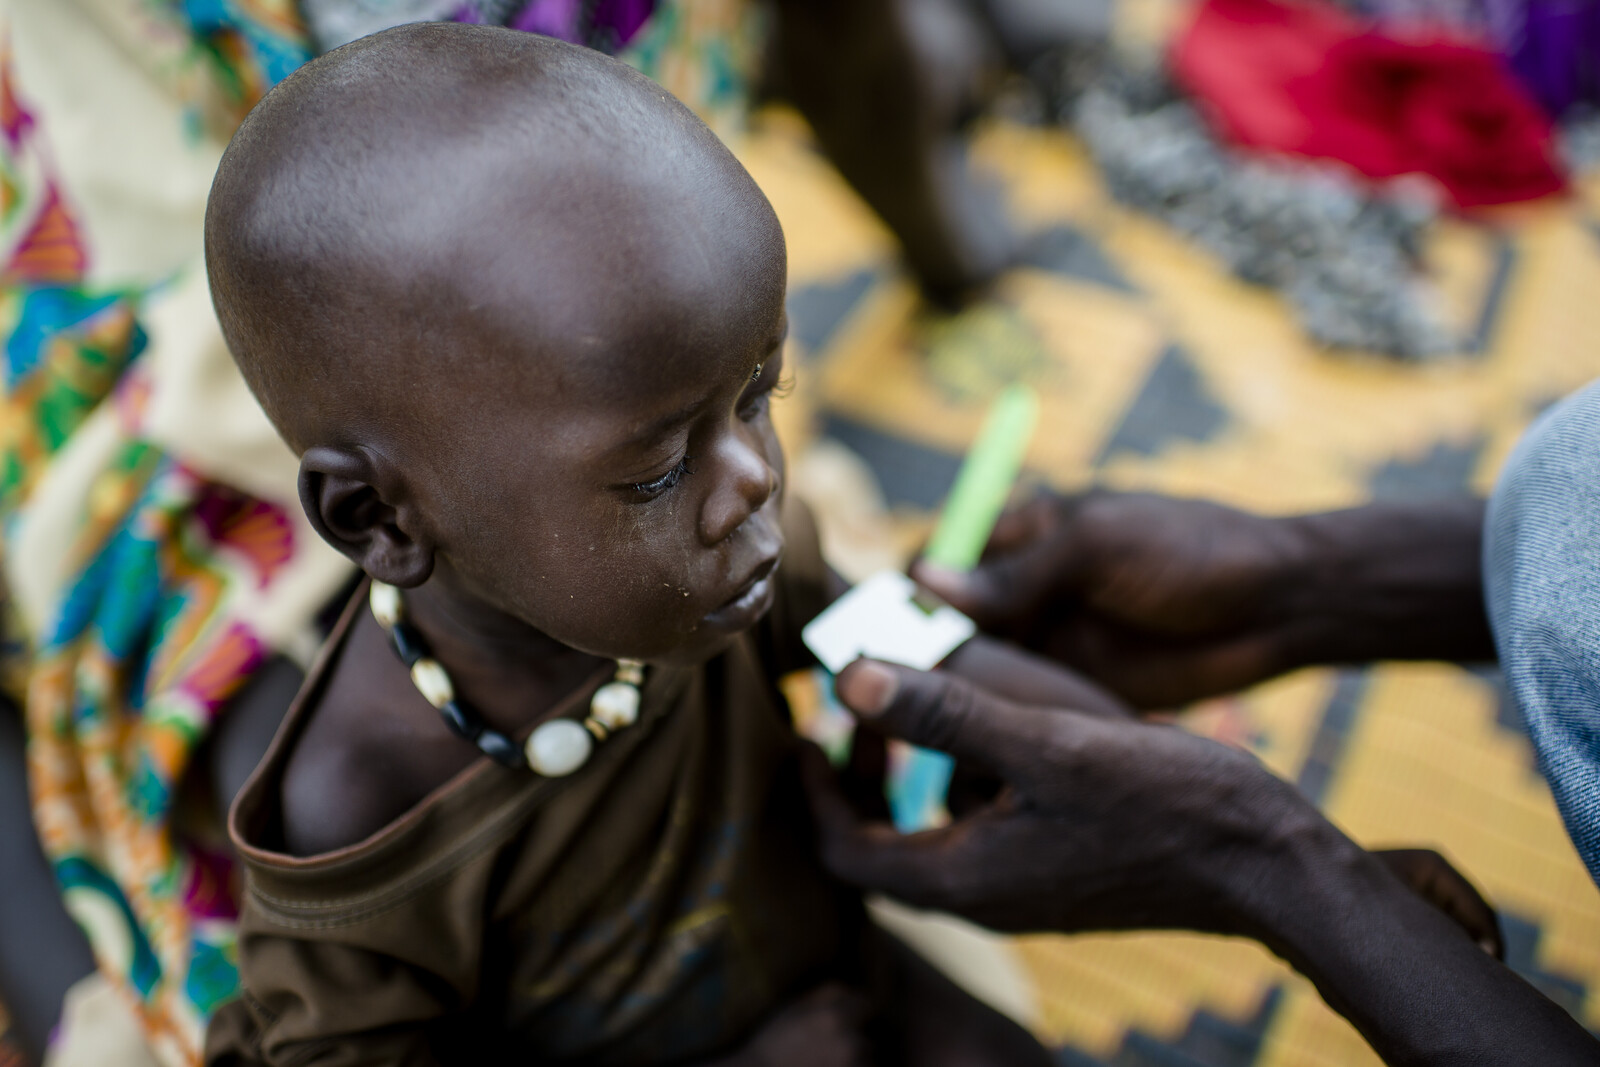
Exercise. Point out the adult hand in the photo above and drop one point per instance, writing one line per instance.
(1119, 824)
(1431, 877)
(1166, 600)
(1163, 600)
(1104, 824)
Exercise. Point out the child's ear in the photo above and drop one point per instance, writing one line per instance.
(347, 496)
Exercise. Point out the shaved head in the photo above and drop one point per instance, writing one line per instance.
(441, 200)
(521, 315)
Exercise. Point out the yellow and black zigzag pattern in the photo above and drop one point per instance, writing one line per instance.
(1158, 371)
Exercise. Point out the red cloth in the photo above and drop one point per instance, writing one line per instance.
(1306, 78)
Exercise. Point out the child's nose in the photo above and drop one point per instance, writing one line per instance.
(742, 481)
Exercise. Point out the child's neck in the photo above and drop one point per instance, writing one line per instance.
(508, 671)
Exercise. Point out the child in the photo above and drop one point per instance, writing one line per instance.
(521, 315)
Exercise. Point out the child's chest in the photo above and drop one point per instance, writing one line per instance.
(656, 913)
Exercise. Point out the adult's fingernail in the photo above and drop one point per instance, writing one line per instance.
(868, 687)
(936, 577)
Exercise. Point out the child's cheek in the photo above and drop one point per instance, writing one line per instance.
(631, 595)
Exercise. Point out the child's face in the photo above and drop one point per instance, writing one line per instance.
(616, 482)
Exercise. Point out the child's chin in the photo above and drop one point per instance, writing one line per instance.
(709, 641)
(738, 615)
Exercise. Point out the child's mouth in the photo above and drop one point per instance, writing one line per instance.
(754, 598)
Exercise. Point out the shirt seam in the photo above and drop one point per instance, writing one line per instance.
(379, 900)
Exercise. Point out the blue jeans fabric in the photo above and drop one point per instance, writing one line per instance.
(1541, 561)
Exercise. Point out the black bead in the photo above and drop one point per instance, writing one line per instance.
(500, 748)
(408, 643)
(461, 722)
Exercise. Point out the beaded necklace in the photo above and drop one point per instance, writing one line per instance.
(555, 748)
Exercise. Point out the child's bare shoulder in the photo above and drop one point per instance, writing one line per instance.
(372, 750)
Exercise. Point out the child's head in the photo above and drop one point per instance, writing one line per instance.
(508, 300)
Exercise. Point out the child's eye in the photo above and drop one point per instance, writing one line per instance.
(758, 398)
(657, 486)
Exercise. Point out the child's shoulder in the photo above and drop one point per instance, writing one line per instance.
(370, 747)
(365, 747)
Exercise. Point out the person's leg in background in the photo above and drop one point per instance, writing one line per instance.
(890, 88)
(887, 86)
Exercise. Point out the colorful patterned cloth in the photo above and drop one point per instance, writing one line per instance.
(144, 585)
(152, 559)
(703, 51)
(604, 24)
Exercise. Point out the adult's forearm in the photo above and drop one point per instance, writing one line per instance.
(1390, 581)
(1419, 990)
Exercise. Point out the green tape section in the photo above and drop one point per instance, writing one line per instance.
(984, 481)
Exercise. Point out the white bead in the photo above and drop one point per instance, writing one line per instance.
(558, 748)
(385, 601)
(615, 704)
(432, 682)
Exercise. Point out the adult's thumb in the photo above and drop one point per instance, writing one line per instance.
(938, 710)
(975, 593)
(1001, 589)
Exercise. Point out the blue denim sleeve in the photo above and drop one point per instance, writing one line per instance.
(1541, 561)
